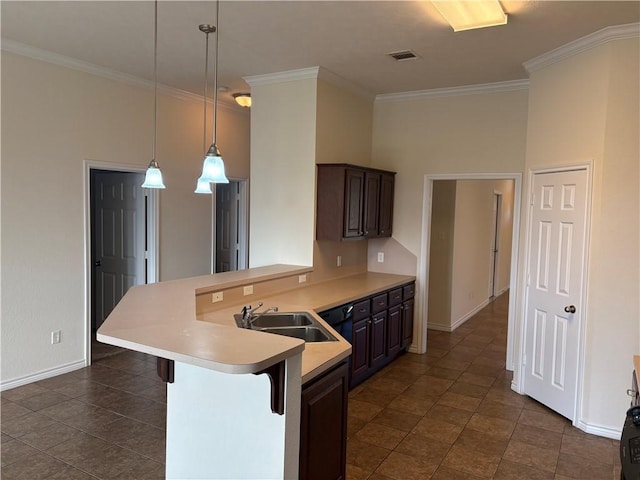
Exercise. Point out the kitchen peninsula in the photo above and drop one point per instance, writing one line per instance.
(233, 395)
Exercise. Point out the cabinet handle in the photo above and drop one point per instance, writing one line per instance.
(362, 310)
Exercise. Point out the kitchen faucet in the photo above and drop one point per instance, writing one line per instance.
(248, 316)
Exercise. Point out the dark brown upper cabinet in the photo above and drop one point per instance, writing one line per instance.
(353, 202)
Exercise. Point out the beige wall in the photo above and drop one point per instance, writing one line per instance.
(478, 133)
(472, 244)
(343, 135)
(585, 109)
(296, 124)
(283, 148)
(53, 119)
(443, 215)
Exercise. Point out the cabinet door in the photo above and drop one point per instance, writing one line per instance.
(360, 348)
(323, 429)
(387, 181)
(371, 204)
(407, 323)
(378, 339)
(353, 203)
(394, 331)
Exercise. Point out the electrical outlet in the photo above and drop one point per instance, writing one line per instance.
(56, 336)
(217, 297)
(380, 257)
(302, 278)
(247, 290)
(339, 261)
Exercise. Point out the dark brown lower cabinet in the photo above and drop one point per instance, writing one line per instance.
(360, 347)
(382, 330)
(323, 429)
(378, 339)
(407, 322)
(394, 331)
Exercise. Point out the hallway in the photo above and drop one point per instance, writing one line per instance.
(451, 414)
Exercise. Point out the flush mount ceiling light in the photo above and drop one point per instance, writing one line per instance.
(213, 165)
(243, 99)
(470, 14)
(153, 178)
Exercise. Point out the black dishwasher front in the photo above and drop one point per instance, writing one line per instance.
(340, 320)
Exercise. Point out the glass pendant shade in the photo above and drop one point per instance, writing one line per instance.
(203, 187)
(213, 167)
(153, 177)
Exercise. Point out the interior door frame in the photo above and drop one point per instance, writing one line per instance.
(422, 293)
(518, 377)
(153, 233)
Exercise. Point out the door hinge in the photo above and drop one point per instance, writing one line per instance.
(524, 359)
(146, 254)
(533, 199)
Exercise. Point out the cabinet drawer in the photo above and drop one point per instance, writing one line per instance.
(395, 297)
(408, 291)
(361, 310)
(379, 303)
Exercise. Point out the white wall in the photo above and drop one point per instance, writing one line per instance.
(585, 108)
(53, 119)
(283, 148)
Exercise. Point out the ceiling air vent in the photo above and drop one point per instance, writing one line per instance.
(403, 55)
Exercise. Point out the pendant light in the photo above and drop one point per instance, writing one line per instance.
(153, 178)
(213, 166)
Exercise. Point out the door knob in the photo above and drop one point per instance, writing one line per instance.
(98, 263)
(570, 309)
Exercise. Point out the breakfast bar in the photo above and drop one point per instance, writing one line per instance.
(233, 394)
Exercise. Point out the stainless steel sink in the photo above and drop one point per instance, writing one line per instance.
(294, 319)
(291, 324)
(308, 334)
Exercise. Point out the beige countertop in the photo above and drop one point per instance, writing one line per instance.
(160, 319)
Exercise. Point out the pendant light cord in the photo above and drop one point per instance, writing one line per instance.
(206, 74)
(155, 79)
(215, 75)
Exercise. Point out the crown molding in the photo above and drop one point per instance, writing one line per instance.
(343, 83)
(608, 34)
(279, 77)
(311, 73)
(46, 56)
(497, 87)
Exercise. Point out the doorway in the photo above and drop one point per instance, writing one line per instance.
(121, 242)
(230, 248)
(420, 343)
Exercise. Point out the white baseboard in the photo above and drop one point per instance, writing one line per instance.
(450, 328)
(440, 328)
(42, 375)
(608, 432)
(469, 314)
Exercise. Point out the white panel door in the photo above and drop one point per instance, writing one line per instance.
(555, 279)
(118, 238)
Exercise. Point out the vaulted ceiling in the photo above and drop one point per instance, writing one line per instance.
(349, 38)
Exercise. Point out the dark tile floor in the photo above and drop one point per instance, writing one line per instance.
(448, 414)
